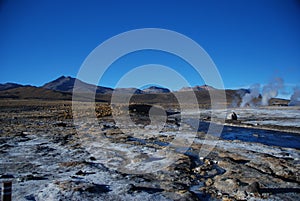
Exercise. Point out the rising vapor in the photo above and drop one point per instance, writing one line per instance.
(295, 98)
(271, 90)
(248, 98)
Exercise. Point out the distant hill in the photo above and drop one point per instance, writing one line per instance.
(156, 90)
(30, 92)
(128, 91)
(66, 84)
(7, 86)
(198, 88)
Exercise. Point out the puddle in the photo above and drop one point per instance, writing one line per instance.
(267, 137)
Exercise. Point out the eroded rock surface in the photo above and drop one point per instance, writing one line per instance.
(51, 160)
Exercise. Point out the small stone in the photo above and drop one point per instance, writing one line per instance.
(193, 177)
(80, 172)
(209, 182)
(197, 169)
(202, 173)
(29, 197)
(253, 188)
(181, 192)
(202, 189)
(207, 162)
(241, 195)
(61, 124)
(92, 158)
(227, 199)
(265, 195)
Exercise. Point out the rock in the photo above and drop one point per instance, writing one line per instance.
(33, 177)
(227, 198)
(211, 173)
(6, 176)
(228, 185)
(209, 182)
(30, 197)
(71, 163)
(207, 161)
(80, 172)
(61, 124)
(253, 188)
(202, 189)
(193, 177)
(82, 186)
(103, 111)
(241, 195)
(67, 114)
(197, 170)
(92, 158)
(203, 173)
(150, 190)
(83, 173)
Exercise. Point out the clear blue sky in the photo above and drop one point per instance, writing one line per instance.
(250, 41)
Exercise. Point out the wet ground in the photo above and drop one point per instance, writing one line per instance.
(50, 159)
(263, 136)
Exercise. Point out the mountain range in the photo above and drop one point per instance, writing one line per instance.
(62, 87)
(65, 84)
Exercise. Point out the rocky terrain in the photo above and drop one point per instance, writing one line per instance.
(50, 160)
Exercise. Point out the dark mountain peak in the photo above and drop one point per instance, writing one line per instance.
(61, 77)
(66, 84)
(156, 89)
(64, 79)
(206, 87)
(128, 91)
(62, 83)
(198, 88)
(9, 85)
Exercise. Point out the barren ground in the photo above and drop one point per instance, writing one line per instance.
(50, 160)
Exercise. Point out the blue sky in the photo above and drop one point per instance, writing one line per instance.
(250, 41)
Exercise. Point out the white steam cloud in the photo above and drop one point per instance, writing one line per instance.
(271, 90)
(248, 98)
(295, 98)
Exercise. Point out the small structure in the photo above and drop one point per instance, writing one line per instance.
(6, 189)
(232, 116)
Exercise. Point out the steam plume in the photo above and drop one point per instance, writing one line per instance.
(295, 98)
(271, 90)
(249, 97)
